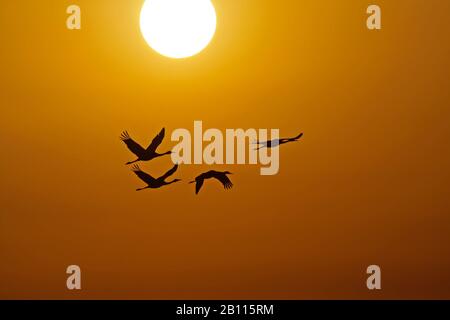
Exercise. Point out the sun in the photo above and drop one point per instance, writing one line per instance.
(178, 28)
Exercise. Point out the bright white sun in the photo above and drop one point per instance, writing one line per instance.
(178, 28)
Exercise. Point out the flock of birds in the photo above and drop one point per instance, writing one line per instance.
(151, 153)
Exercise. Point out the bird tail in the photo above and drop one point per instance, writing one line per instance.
(192, 181)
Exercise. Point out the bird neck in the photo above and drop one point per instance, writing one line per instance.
(131, 162)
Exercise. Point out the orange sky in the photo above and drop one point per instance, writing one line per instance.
(368, 183)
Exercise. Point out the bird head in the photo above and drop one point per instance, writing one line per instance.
(228, 172)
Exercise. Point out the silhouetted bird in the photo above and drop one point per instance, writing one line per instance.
(221, 176)
(152, 182)
(276, 142)
(144, 154)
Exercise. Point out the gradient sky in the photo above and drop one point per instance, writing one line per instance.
(368, 183)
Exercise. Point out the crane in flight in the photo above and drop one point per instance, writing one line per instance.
(221, 176)
(144, 154)
(276, 142)
(154, 183)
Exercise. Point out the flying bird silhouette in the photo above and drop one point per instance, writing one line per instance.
(144, 154)
(221, 176)
(276, 142)
(152, 182)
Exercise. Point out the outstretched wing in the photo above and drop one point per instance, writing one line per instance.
(169, 173)
(298, 137)
(157, 141)
(142, 175)
(198, 185)
(227, 184)
(131, 144)
(284, 140)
